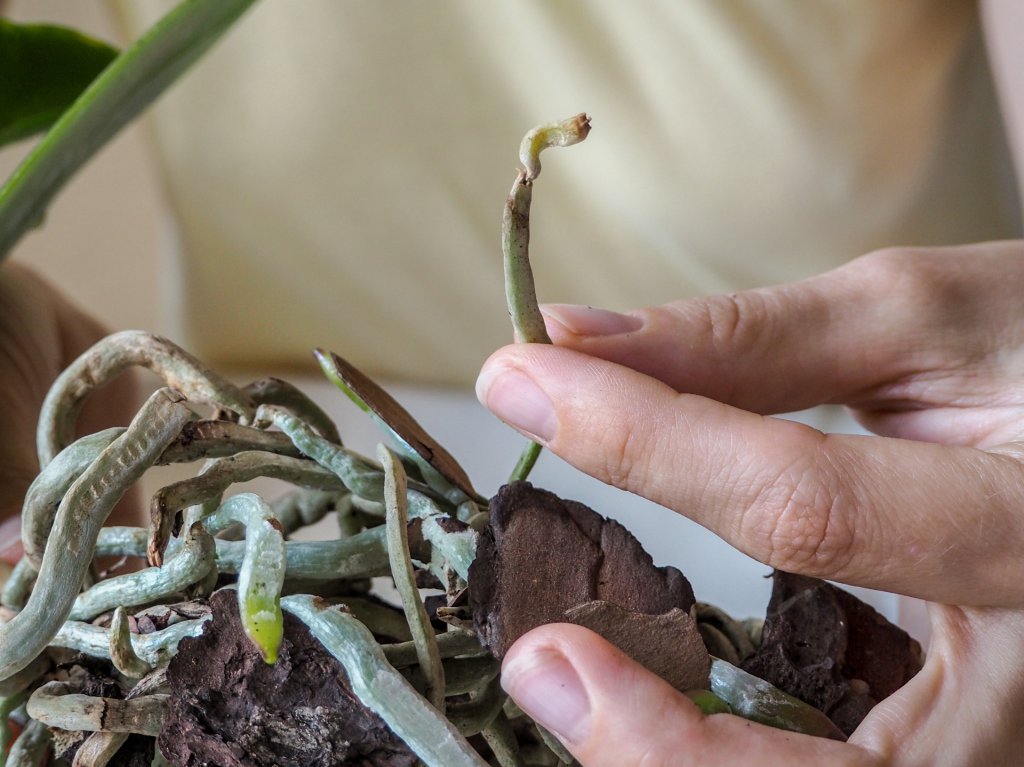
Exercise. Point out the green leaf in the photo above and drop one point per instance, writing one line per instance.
(45, 69)
(126, 87)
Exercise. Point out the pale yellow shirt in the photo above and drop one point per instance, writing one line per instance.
(338, 169)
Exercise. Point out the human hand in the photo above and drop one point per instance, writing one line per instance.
(40, 333)
(927, 348)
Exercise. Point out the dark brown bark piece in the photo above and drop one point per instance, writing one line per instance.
(668, 644)
(402, 423)
(229, 708)
(831, 650)
(883, 655)
(542, 556)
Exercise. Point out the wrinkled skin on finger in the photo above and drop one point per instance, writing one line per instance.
(927, 348)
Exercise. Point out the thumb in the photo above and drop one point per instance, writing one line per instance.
(609, 711)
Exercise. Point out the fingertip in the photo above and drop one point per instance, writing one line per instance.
(539, 674)
(513, 395)
(595, 699)
(496, 364)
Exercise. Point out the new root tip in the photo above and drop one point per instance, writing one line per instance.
(563, 133)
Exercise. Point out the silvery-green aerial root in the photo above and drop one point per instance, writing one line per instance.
(462, 675)
(382, 689)
(405, 579)
(217, 476)
(154, 649)
(207, 489)
(18, 585)
(361, 478)
(122, 541)
(50, 486)
(99, 748)
(190, 564)
(520, 291)
(262, 573)
(476, 714)
(454, 541)
(83, 511)
(8, 705)
(206, 438)
(452, 644)
(367, 482)
(23, 679)
(122, 653)
(60, 705)
(114, 354)
(29, 748)
(361, 555)
(274, 391)
(301, 508)
(382, 619)
(500, 736)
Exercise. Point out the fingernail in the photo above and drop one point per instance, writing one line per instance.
(546, 686)
(513, 396)
(588, 321)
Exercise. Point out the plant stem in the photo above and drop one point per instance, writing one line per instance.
(520, 291)
(529, 456)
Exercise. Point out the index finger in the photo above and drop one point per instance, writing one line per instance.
(884, 330)
(932, 521)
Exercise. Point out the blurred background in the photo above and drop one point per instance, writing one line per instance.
(333, 174)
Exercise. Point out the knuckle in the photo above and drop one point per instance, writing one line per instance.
(622, 447)
(910, 273)
(734, 321)
(894, 260)
(920, 295)
(631, 453)
(804, 519)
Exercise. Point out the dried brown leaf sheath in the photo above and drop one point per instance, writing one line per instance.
(403, 424)
(542, 556)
